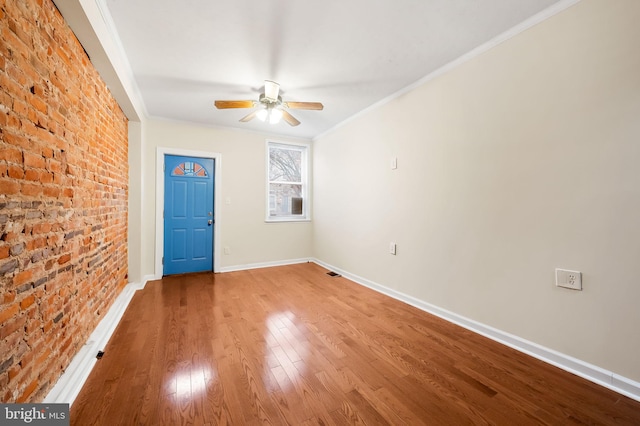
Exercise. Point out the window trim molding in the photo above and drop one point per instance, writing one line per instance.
(306, 181)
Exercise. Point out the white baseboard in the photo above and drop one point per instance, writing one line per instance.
(148, 278)
(264, 265)
(70, 383)
(578, 367)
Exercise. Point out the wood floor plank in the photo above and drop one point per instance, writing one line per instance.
(292, 345)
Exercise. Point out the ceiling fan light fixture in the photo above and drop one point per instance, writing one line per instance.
(262, 114)
(271, 90)
(269, 114)
(275, 115)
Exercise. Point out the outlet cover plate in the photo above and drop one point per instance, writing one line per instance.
(569, 279)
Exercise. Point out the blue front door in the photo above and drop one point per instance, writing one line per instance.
(188, 214)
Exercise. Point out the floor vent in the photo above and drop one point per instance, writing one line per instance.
(333, 274)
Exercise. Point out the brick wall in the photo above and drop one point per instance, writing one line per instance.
(63, 198)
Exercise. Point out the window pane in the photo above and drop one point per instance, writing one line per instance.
(285, 165)
(285, 200)
(287, 169)
(189, 168)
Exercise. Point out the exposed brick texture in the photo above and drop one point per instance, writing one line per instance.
(63, 198)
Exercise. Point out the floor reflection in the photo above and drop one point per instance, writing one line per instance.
(190, 382)
(287, 349)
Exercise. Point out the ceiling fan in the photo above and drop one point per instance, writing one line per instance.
(272, 108)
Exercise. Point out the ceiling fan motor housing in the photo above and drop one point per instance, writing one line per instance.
(269, 102)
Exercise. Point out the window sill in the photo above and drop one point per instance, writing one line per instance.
(286, 219)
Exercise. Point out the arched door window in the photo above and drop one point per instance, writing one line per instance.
(189, 168)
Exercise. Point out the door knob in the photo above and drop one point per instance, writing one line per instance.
(210, 221)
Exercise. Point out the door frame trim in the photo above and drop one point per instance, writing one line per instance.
(217, 173)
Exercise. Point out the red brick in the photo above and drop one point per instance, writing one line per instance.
(30, 189)
(8, 297)
(54, 166)
(16, 74)
(10, 237)
(44, 356)
(20, 107)
(47, 152)
(25, 360)
(32, 175)
(41, 228)
(15, 172)
(11, 326)
(46, 177)
(63, 55)
(51, 191)
(27, 301)
(66, 344)
(36, 243)
(34, 160)
(22, 277)
(13, 122)
(17, 141)
(33, 121)
(14, 372)
(11, 155)
(9, 312)
(27, 392)
(9, 187)
(33, 327)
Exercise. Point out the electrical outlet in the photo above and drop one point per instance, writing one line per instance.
(392, 248)
(227, 250)
(569, 279)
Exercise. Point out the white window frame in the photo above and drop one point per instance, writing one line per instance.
(305, 148)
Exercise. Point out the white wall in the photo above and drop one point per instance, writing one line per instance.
(242, 226)
(516, 162)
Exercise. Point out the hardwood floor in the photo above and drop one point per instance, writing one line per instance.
(292, 345)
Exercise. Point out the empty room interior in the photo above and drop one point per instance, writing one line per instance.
(412, 212)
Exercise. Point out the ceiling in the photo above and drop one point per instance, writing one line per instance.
(349, 55)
